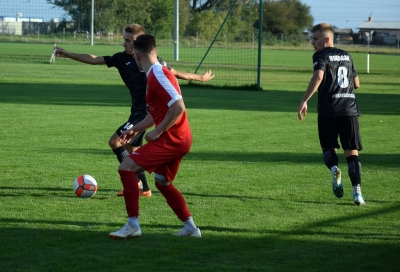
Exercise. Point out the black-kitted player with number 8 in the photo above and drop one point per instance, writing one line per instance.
(336, 79)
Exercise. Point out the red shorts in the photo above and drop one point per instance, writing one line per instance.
(154, 157)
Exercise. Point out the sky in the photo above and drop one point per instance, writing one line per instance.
(30, 9)
(340, 13)
(352, 13)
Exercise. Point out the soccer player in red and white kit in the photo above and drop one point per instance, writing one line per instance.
(135, 80)
(166, 145)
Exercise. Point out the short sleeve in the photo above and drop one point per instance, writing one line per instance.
(110, 61)
(164, 63)
(354, 71)
(318, 62)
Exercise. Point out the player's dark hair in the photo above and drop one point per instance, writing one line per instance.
(145, 43)
(134, 29)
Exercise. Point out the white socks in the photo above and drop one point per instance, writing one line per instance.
(189, 224)
(133, 221)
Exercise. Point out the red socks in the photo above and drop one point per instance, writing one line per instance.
(131, 195)
(131, 192)
(175, 200)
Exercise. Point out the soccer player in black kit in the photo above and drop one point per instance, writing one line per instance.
(136, 81)
(335, 78)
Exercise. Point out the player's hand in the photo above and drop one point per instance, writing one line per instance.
(207, 76)
(302, 111)
(60, 52)
(152, 136)
(127, 135)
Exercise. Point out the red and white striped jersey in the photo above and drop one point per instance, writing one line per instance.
(162, 91)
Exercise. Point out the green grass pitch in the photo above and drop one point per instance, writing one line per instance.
(254, 180)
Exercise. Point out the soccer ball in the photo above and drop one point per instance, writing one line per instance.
(85, 186)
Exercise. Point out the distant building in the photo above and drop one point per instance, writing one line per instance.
(343, 36)
(8, 19)
(10, 26)
(19, 18)
(35, 20)
(380, 32)
(18, 25)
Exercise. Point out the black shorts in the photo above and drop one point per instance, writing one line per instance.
(346, 127)
(138, 139)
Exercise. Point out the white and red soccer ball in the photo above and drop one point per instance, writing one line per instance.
(85, 186)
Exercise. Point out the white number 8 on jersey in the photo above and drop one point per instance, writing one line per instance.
(343, 81)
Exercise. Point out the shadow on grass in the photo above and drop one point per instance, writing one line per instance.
(105, 194)
(40, 191)
(46, 245)
(387, 160)
(195, 98)
(7, 191)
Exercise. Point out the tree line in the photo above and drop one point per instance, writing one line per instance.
(196, 17)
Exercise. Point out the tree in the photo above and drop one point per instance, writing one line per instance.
(161, 17)
(185, 15)
(109, 15)
(201, 24)
(204, 17)
(198, 5)
(286, 17)
(242, 18)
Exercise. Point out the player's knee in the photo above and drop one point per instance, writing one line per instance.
(129, 165)
(124, 167)
(113, 142)
(161, 180)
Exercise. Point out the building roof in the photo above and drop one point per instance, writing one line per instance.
(343, 31)
(380, 25)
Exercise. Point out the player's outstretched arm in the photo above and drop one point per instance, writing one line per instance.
(190, 76)
(85, 58)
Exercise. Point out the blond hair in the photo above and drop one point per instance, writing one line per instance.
(135, 29)
(324, 28)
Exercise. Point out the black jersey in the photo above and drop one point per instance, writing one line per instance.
(134, 79)
(336, 92)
